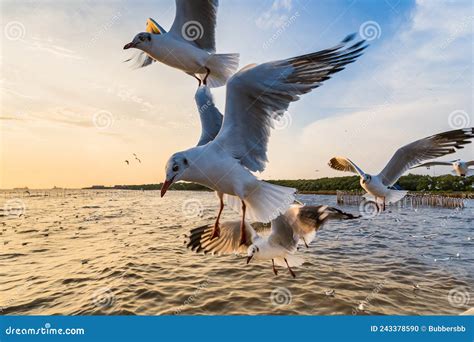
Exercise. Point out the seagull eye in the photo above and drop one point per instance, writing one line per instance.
(175, 168)
(141, 38)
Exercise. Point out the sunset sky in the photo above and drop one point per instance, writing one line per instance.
(71, 112)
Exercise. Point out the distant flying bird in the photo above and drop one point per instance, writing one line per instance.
(298, 225)
(256, 96)
(189, 45)
(461, 168)
(136, 158)
(128, 163)
(380, 186)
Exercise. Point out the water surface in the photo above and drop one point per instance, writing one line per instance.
(122, 252)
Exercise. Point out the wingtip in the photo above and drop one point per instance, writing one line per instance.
(349, 37)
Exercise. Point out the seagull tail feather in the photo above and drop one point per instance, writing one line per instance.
(264, 203)
(222, 67)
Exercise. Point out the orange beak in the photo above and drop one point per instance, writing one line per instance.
(166, 185)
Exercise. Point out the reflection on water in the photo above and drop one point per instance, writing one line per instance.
(122, 252)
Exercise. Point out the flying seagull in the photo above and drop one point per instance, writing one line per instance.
(298, 225)
(256, 96)
(136, 158)
(189, 45)
(460, 168)
(380, 186)
(128, 163)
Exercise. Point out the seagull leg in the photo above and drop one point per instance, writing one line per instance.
(289, 269)
(305, 242)
(243, 237)
(274, 269)
(199, 80)
(383, 205)
(216, 232)
(207, 74)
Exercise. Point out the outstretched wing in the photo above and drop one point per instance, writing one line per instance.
(344, 164)
(309, 219)
(195, 22)
(257, 95)
(470, 163)
(430, 147)
(429, 164)
(199, 239)
(211, 117)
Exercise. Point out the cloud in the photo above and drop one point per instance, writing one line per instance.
(275, 16)
(409, 91)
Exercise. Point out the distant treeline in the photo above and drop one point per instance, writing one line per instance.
(410, 182)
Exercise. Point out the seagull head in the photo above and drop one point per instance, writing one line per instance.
(141, 41)
(251, 251)
(366, 179)
(175, 167)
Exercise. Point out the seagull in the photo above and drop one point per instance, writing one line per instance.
(136, 158)
(256, 95)
(128, 163)
(461, 168)
(380, 186)
(189, 45)
(298, 225)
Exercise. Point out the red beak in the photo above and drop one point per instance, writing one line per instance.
(128, 46)
(166, 185)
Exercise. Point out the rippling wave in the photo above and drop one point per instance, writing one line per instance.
(123, 253)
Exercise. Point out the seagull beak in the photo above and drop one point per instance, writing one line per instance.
(166, 185)
(249, 258)
(128, 46)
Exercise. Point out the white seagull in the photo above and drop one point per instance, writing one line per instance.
(297, 226)
(189, 45)
(380, 186)
(460, 168)
(256, 95)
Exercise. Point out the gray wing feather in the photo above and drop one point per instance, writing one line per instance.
(257, 95)
(199, 17)
(211, 117)
(199, 239)
(430, 147)
(431, 164)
